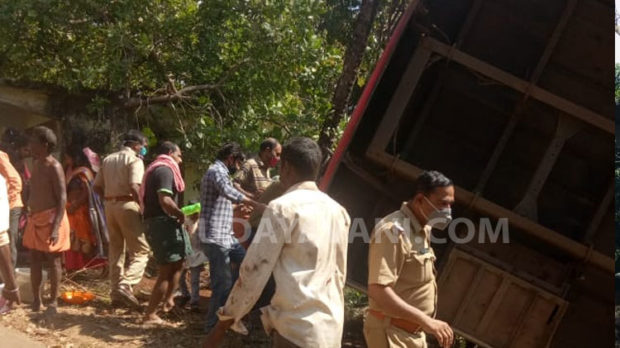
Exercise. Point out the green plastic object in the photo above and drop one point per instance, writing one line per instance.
(191, 209)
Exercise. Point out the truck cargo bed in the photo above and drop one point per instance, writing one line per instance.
(513, 101)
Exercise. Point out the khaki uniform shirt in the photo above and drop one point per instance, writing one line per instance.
(400, 256)
(272, 192)
(119, 171)
(302, 239)
(253, 176)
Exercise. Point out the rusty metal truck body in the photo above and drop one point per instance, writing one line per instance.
(513, 101)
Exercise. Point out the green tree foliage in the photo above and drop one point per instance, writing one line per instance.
(352, 22)
(259, 67)
(196, 71)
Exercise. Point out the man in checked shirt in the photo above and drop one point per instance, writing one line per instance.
(302, 240)
(217, 196)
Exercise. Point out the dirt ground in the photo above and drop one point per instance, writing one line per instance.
(96, 324)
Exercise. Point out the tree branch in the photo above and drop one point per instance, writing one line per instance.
(171, 97)
(352, 60)
(182, 94)
(281, 125)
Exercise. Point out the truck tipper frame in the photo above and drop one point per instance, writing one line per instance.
(513, 101)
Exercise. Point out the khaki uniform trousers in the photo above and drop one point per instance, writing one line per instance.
(126, 235)
(380, 334)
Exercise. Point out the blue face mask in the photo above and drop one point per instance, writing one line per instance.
(143, 151)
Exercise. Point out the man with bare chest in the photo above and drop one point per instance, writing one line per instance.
(47, 232)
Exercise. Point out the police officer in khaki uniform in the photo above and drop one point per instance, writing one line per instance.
(401, 276)
(118, 182)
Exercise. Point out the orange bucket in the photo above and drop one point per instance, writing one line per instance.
(77, 297)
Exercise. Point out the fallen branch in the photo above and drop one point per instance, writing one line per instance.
(167, 98)
(182, 94)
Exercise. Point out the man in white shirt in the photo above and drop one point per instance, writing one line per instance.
(10, 292)
(302, 238)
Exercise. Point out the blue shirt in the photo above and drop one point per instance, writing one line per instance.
(217, 195)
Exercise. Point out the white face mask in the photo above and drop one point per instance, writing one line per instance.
(440, 218)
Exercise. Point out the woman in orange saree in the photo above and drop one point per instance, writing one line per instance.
(84, 213)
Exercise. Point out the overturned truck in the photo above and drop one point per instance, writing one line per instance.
(513, 101)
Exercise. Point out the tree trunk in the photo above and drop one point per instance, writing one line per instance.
(352, 59)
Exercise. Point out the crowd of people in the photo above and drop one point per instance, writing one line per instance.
(274, 243)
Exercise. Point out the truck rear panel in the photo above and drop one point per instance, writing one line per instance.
(513, 101)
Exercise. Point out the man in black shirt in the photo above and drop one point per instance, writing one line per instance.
(163, 220)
